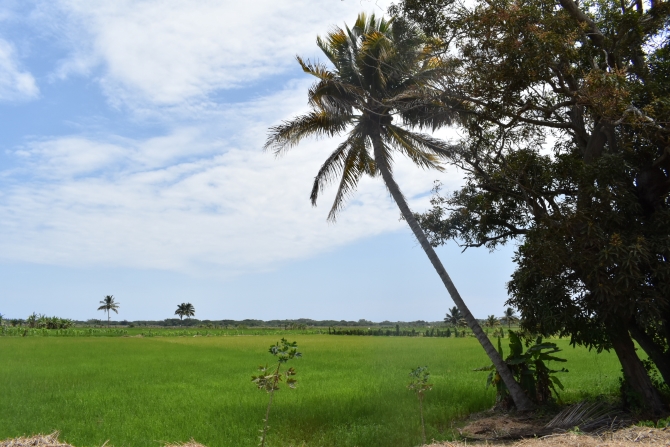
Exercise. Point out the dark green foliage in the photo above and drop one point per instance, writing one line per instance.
(35, 321)
(592, 211)
(631, 400)
(454, 316)
(433, 332)
(530, 370)
(185, 310)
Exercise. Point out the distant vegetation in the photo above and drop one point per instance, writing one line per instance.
(40, 325)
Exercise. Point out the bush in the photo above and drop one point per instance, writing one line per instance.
(529, 369)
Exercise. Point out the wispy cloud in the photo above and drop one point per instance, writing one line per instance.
(165, 52)
(200, 195)
(16, 84)
(198, 199)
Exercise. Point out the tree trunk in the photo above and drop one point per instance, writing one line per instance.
(521, 400)
(635, 372)
(661, 359)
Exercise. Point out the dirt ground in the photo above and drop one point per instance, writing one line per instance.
(628, 437)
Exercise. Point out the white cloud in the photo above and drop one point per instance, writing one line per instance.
(15, 84)
(166, 52)
(198, 199)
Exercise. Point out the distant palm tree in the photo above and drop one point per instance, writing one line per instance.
(454, 316)
(373, 94)
(109, 304)
(509, 316)
(190, 311)
(181, 310)
(492, 321)
(185, 310)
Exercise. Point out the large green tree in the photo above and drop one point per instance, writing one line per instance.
(373, 94)
(567, 147)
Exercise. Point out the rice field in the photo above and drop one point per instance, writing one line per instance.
(156, 390)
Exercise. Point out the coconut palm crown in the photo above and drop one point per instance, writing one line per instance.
(375, 94)
(380, 68)
(185, 310)
(454, 316)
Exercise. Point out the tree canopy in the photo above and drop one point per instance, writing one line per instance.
(566, 112)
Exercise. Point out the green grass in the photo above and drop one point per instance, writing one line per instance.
(352, 390)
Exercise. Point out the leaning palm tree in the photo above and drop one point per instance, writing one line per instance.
(380, 69)
(109, 304)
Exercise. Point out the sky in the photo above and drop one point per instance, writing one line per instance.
(131, 165)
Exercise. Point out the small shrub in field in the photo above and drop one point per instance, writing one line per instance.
(270, 377)
(529, 369)
(420, 385)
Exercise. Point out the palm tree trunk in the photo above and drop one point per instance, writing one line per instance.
(521, 400)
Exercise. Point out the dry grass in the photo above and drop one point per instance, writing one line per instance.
(52, 441)
(629, 437)
(190, 443)
(35, 441)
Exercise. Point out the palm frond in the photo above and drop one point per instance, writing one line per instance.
(315, 69)
(334, 164)
(399, 139)
(326, 48)
(589, 417)
(425, 143)
(376, 50)
(335, 95)
(316, 123)
(356, 163)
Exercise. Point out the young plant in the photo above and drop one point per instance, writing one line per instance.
(420, 385)
(270, 377)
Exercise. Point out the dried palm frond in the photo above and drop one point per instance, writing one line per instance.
(589, 417)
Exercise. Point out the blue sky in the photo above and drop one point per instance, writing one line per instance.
(131, 165)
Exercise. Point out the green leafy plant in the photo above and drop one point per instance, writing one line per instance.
(419, 384)
(270, 377)
(529, 369)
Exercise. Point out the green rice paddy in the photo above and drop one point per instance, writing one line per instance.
(351, 390)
